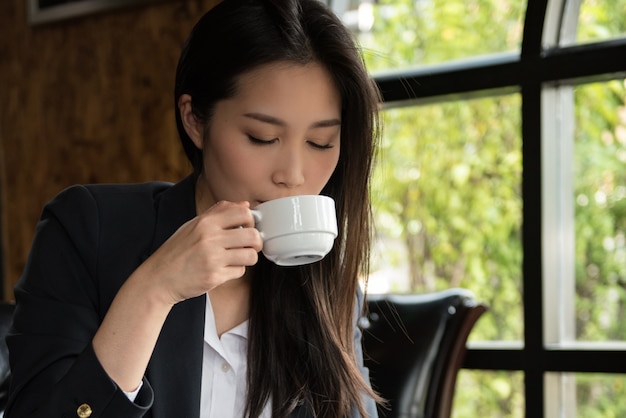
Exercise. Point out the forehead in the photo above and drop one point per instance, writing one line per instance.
(287, 83)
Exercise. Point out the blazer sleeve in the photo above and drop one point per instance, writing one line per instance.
(54, 368)
(369, 403)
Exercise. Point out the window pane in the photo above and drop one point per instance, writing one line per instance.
(600, 395)
(600, 210)
(447, 197)
(489, 394)
(601, 20)
(588, 395)
(404, 33)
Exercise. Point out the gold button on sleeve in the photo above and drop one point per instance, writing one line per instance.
(84, 411)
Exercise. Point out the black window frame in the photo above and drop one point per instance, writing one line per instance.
(525, 72)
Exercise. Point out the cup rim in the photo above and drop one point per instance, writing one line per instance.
(299, 196)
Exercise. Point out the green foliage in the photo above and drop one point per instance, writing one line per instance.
(447, 190)
(601, 19)
(448, 184)
(601, 396)
(425, 32)
(600, 191)
(497, 394)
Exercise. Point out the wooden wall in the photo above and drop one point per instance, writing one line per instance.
(82, 101)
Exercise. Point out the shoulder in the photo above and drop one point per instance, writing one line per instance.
(84, 209)
(84, 198)
(100, 193)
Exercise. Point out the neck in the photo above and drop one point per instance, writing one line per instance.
(230, 303)
(204, 199)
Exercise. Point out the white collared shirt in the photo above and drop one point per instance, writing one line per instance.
(224, 369)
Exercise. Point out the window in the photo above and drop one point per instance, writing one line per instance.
(449, 207)
(407, 33)
(599, 20)
(503, 170)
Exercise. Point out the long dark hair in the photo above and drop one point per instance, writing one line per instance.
(301, 340)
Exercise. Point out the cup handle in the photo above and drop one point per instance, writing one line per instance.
(257, 218)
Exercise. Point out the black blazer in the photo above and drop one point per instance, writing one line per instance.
(88, 241)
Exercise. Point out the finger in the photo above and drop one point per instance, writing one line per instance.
(238, 257)
(231, 214)
(243, 238)
(225, 274)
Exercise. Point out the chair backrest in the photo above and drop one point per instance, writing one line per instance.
(414, 347)
(6, 319)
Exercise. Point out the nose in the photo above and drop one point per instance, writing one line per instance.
(289, 169)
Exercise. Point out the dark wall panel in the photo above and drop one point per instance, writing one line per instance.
(81, 101)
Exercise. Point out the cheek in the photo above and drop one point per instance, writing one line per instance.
(241, 165)
(223, 159)
(324, 168)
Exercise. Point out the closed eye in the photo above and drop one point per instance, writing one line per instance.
(321, 146)
(259, 141)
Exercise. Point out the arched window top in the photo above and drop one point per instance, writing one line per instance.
(397, 34)
(571, 22)
(601, 20)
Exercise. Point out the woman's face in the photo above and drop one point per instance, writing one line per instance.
(278, 136)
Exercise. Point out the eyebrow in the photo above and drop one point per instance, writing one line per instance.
(278, 122)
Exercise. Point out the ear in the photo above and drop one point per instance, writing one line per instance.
(193, 128)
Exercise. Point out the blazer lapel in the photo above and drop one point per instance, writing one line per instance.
(175, 369)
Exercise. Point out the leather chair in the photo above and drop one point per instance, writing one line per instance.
(414, 346)
(6, 319)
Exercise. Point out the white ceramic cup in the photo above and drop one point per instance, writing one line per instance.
(296, 230)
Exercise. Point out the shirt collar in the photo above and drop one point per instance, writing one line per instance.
(210, 331)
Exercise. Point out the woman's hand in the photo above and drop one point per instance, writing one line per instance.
(212, 248)
(205, 252)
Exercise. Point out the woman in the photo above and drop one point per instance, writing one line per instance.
(152, 300)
